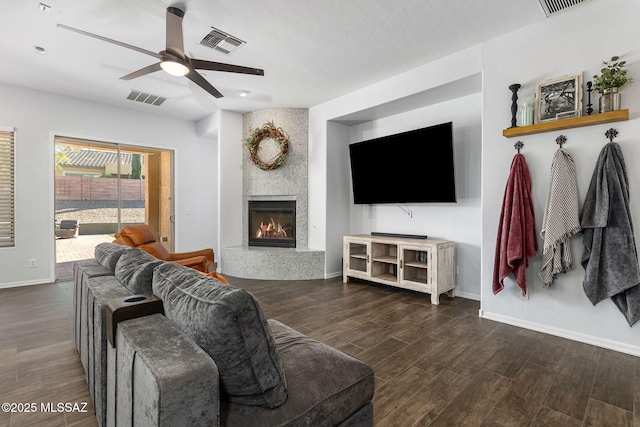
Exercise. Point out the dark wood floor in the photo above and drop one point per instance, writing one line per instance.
(435, 365)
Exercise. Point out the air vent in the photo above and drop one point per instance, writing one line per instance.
(221, 41)
(554, 6)
(146, 98)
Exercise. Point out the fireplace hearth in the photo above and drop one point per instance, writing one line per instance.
(272, 223)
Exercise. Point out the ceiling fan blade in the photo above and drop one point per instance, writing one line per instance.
(128, 46)
(174, 31)
(201, 64)
(143, 71)
(195, 77)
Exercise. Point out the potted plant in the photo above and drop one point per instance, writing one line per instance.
(612, 77)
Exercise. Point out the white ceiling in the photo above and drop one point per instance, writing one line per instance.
(311, 50)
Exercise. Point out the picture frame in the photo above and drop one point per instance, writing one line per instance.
(559, 98)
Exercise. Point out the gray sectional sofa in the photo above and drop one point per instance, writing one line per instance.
(211, 358)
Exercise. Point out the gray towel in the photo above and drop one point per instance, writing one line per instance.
(560, 220)
(610, 257)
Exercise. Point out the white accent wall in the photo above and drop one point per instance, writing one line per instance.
(39, 116)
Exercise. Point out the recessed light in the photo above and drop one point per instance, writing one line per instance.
(44, 8)
(244, 93)
(40, 50)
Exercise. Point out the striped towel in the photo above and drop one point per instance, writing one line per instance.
(561, 219)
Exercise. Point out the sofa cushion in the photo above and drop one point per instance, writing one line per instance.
(325, 385)
(134, 270)
(228, 324)
(108, 254)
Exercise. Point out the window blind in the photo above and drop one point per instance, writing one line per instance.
(7, 195)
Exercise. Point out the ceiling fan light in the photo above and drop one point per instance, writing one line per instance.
(174, 68)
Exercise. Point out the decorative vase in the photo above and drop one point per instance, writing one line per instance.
(609, 100)
(526, 114)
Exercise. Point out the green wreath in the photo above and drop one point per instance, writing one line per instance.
(268, 130)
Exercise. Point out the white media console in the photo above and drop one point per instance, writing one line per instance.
(423, 265)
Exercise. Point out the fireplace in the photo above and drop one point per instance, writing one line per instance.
(272, 223)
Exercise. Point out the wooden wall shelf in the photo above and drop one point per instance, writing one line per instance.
(576, 122)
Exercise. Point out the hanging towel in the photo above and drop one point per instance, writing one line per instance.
(516, 241)
(561, 218)
(610, 258)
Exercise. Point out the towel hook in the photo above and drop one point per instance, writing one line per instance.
(611, 133)
(518, 145)
(561, 140)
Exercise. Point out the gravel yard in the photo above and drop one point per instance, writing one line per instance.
(100, 211)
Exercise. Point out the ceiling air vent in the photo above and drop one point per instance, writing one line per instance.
(146, 98)
(221, 41)
(554, 6)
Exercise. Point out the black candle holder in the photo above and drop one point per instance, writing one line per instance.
(514, 105)
(589, 104)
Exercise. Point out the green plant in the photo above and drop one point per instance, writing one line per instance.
(136, 166)
(613, 75)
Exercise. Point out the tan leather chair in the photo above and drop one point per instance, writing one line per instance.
(141, 236)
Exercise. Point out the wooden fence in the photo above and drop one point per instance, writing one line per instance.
(88, 188)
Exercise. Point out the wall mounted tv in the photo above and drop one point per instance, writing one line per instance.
(410, 167)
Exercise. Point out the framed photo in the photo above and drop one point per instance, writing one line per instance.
(559, 98)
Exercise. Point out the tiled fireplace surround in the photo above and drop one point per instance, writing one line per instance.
(288, 182)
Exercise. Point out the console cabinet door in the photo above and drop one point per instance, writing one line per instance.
(356, 259)
(416, 265)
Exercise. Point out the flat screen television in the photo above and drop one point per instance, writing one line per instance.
(410, 167)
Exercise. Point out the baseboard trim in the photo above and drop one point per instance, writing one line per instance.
(333, 275)
(466, 295)
(27, 283)
(563, 333)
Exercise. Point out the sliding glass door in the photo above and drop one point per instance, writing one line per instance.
(102, 187)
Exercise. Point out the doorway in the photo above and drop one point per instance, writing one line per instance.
(101, 187)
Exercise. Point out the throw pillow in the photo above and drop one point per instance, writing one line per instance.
(228, 323)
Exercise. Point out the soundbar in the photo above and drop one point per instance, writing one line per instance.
(401, 236)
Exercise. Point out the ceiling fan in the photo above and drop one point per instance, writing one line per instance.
(173, 60)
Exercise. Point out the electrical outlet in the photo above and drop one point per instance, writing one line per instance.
(33, 263)
(164, 239)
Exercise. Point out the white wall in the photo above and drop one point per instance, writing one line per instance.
(337, 202)
(561, 45)
(229, 206)
(39, 116)
(459, 221)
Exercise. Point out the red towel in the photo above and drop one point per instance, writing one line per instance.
(516, 241)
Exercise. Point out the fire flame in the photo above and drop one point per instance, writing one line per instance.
(271, 230)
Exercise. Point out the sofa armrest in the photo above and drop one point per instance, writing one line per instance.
(130, 307)
(207, 253)
(175, 381)
(199, 263)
